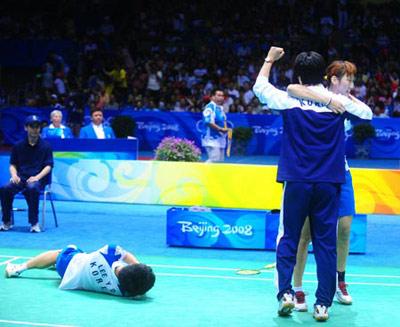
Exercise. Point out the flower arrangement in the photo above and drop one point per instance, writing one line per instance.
(177, 149)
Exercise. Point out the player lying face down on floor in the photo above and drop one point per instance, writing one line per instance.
(110, 269)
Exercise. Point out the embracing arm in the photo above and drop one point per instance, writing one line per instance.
(355, 107)
(303, 92)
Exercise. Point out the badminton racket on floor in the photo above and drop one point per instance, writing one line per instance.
(255, 271)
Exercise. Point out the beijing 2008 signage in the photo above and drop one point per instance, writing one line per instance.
(217, 228)
(238, 229)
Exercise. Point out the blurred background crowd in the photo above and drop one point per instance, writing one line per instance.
(158, 55)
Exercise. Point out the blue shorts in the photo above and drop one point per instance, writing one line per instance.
(64, 258)
(347, 203)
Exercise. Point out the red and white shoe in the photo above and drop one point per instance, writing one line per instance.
(342, 295)
(300, 303)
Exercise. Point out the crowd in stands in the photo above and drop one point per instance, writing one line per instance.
(155, 55)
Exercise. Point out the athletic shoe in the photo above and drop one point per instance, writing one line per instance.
(35, 228)
(12, 270)
(300, 303)
(5, 227)
(342, 295)
(320, 312)
(286, 305)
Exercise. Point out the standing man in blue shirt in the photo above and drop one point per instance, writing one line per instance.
(96, 130)
(311, 166)
(215, 129)
(31, 162)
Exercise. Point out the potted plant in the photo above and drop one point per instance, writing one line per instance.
(177, 149)
(123, 126)
(362, 136)
(241, 137)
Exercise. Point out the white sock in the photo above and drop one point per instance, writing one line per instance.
(298, 289)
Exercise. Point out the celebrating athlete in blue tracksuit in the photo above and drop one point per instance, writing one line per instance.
(311, 166)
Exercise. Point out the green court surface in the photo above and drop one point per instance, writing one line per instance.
(194, 286)
(191, 292)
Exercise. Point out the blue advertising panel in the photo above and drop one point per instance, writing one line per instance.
(217, 228)
(238, 229)
(152, 126)
(386, 144)
(111, 149)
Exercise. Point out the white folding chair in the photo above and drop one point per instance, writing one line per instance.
(46, 192)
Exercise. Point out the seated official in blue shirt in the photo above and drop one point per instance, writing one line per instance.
(96, 129)
(56, 129)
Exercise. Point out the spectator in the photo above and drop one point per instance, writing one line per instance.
(228, 54)
(154, 79)
(56, 129)
(96, 130)
(54, 103)
(396, 107)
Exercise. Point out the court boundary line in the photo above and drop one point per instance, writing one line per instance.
(261, 279)
(272, 270)
(13, 258)
(17, 322)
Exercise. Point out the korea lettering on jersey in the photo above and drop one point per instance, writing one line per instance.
(215, 114)
(313, 135)
(95, 271)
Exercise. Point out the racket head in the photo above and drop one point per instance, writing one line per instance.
(270, 266)
(248, 271)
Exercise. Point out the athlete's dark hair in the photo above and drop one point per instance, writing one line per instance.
(310, 67)
(136, 279)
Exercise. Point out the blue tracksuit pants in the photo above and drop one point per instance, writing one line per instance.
(319, 201)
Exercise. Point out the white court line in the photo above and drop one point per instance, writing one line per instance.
(225, 269)
(362, 275)
(15, 322)
(215, 277)
(262, 270)
(8, 261)
(193, 267)
(13, 256)
(263, 279)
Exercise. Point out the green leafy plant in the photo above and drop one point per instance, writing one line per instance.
(363, 132)
(177, 149)
(123, 126)
(243, 134)
(241, 137)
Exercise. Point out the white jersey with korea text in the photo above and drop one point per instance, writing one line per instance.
(95, 271)
(313, 136)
